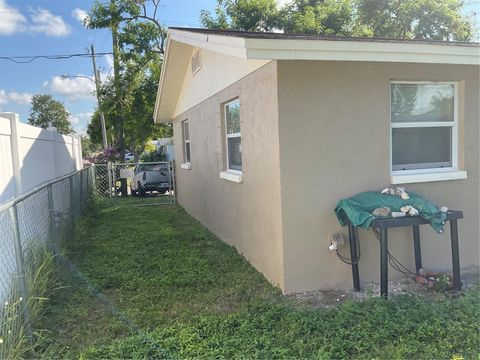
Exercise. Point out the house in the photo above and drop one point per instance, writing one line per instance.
(271, 130)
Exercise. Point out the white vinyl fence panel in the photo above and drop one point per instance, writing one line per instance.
(30, 156)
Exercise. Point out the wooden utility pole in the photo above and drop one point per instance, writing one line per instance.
(116, 82)
(97, 87)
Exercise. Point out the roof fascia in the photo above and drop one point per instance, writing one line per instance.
(228, 45)
(295, 49)
(162, 81)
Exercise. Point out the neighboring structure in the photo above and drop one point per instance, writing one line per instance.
(165, 147)
(30, 156)
(271, 130)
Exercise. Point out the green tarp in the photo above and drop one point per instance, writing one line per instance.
(358, 209)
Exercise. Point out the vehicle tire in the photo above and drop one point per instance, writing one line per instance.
(133, 192)
(162, 191)
(141, 190)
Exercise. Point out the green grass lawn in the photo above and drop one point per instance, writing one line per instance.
(152, 283)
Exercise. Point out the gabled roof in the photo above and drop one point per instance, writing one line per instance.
(278, 46)
(278, 35)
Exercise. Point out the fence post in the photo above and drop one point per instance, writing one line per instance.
(52, 233)
(87, 184)
(109, 175)
(114, 176)
(72, 202)
(74, 153)
(174, 181)
(170, 179)
(21, 278)
(81, 173)
(93, 184)
(17, 162)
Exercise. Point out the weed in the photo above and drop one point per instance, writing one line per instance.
(176, 289)
(40, 278)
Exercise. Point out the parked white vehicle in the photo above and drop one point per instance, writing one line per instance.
(129, 157)
(150, 177)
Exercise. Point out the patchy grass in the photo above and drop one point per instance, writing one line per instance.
(157, 284)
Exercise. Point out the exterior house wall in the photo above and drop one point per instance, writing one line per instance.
(202, 84)
(334, 128)
(246, 215)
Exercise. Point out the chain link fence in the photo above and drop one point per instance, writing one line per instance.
(150, 183)
(35, 226)
(32, 229)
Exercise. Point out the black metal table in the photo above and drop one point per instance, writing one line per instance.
(381, 226)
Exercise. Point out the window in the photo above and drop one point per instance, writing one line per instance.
(186, 142)
(423, 126)
(233, 136)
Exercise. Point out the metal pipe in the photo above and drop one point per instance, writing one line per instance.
(384, 262)
(52, 236)
(457, 284)
(417, 247)
(353, 257)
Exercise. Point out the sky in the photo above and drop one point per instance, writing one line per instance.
(54, 27)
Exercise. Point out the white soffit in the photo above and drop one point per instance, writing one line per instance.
(175, 65)
(228, 45)
(331, 49)
(351, 50)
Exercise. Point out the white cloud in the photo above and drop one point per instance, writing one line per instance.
(81, 118)
(20, 98)
(80, 14)
(80, 122)
(74, 88)
(12, 20)
(15, 98)
(47, 23)
(41, 21)
(74, 120)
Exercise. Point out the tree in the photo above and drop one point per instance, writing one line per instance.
(413, 19)
(139, 126)
(245, 15)
(320, 17)
(46, 112)
(401, 19)
(128, 98)
(88, 147)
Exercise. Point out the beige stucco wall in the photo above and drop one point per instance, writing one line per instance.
(246, 215)
(334, 142)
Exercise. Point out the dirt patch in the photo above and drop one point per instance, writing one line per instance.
(333, 297)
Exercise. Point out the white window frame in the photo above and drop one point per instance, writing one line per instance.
(231, 136)
(186, 162)
(428, 174)
(230, 174)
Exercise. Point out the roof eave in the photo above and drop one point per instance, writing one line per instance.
(160, 84)
(232, 46)
(294, 49)
(318, 49)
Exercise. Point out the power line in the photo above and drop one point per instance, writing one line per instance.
(29, 59)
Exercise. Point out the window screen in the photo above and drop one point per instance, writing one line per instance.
(423, 123)
(233, 135)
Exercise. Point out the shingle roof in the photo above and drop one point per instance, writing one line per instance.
(296, 36)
